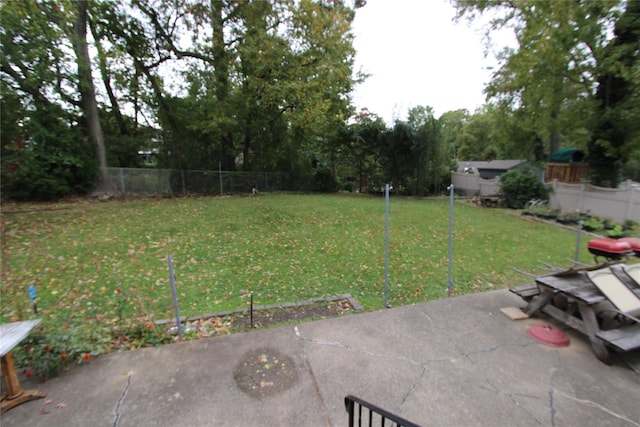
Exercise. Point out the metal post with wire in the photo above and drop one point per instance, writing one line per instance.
(387, 187)
(450, 279)
(174, 293)
(576, 259)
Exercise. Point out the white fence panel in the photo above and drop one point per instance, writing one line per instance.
(470, 184)
(618, 204)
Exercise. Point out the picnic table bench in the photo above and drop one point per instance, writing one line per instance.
(10, 336)
(573, 300)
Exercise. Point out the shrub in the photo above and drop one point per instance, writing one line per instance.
(53, 160)
(324, 181)
(593, 224)
(518, 186)
(46, 351)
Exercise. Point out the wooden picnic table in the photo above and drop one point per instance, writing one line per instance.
(10, 336)
(579, 310)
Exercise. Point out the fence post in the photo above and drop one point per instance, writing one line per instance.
(581, 198)
(450, 275)
(122, 186)
(174, 294)
(220, 178)
(386, 246)
(632, 189)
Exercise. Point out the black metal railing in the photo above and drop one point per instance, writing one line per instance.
(372, 413)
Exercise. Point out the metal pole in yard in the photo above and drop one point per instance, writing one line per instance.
(123, 188)
(220, 177)
(175, 295)
(577, 257)
(386, 247)
(450, 280)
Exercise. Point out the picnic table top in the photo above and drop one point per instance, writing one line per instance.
(576, 285)
(12, 333)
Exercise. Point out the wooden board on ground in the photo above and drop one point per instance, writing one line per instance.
(514, 313)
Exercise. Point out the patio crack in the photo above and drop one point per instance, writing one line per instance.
(414, 385)
(412, 388)
(316, 388)
(116, 418)
(552, 407)
(600, 407)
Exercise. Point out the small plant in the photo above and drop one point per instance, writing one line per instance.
(616, 232)
(571, 218)
(593, 224)
(46, 352)
(140, 335)
(630, 225)
(541, 211)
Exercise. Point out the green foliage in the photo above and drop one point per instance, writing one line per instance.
(520, 185)
(324, 181)
(593, 224)
(616, 231)
(631, 225)
(543, 210)
(53, 162)
(568, 81)
(46, 351)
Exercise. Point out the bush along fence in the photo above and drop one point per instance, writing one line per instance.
(168, 182)
(618, 204)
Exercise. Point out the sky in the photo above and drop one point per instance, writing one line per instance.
(417, 56)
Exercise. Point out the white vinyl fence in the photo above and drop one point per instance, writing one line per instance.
(618, 204)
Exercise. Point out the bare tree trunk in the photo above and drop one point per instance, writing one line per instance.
(87, 91)
(106, 79)
(221, 75)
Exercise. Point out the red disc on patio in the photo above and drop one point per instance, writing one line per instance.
(548, 335)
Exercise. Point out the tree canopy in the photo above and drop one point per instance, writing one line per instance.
(267, 86)
(572, 57)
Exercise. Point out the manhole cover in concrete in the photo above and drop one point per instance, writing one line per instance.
(265, 372)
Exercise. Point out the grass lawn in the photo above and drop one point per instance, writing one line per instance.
(109, 260)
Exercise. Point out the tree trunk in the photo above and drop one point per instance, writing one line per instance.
(554, 134)
(87, 91)
(106, 79)
(221, 76)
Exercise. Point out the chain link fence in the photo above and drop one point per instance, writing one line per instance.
(167, 182)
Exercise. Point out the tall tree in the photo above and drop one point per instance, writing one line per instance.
(78, 35)
(617, 131)
(36, 69)
(552, 73)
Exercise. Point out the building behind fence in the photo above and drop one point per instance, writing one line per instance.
(166, 182)
(618, 204)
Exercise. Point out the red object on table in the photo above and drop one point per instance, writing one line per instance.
(634, 242)
(609, 248)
